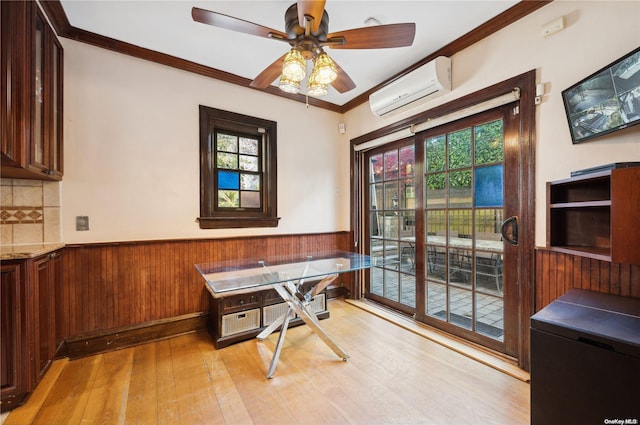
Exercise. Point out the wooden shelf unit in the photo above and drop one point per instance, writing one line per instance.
(596, 215)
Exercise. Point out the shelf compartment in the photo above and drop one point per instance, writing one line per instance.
(581, 227)
(584, 190)
(596, 215)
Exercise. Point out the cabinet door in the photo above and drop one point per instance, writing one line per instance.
(44, 312)
(55, 167)
(32, 94)
(14, 77)
(46, 155)
(14, 359)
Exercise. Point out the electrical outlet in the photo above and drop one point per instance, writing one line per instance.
(553, 26)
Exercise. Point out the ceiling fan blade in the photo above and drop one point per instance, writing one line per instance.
(270, 73)
(314, 9)
(343, 83)
(234, 24)
(376, 37)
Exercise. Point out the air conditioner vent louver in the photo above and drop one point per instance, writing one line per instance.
(426, 82)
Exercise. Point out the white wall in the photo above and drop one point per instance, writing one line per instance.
(596, 33)
(131, 128)
(132, 151)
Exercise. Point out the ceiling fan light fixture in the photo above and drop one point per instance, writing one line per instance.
(289, 86)
(324, 69)
(294, 67)
(315, 88)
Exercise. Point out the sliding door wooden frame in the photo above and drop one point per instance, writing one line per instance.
(525, 139)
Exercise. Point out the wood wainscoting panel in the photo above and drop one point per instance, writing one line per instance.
(557, 272)
(122, 284)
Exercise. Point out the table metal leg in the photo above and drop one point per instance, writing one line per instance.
(276, 354)
(272, 327)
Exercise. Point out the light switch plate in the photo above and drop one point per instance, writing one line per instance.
(82, 222)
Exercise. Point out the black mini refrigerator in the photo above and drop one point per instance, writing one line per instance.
(585, 360)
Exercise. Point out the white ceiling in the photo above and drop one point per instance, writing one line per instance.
(167, 27)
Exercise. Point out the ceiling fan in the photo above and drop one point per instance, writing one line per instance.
(307, 32)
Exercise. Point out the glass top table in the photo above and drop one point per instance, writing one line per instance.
(224, 277)
(287, 275)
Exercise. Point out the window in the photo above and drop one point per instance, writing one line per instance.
(237, 170)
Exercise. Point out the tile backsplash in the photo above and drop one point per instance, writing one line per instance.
(29, 211)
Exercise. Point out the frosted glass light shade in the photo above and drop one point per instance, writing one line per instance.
(289, 86)
(294, 67)
(325, 69)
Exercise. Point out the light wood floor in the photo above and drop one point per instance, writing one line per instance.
(393, 377)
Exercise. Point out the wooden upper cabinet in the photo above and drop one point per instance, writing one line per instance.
(596, 215)
(32, 60)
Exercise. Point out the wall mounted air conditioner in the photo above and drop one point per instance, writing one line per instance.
(426, 82)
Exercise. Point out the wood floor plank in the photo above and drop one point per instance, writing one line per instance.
(393, 376)
(227, 395)
(142, 403)
(196, 395)
(249, 377)
(27, 413)
(168, 409)
(107, 401)
(66, 404)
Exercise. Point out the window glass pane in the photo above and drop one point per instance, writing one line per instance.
(488, 143)
(227, 160)
(407, 160)
(435, 153)
(249, 182)
(226, 142)
(248, 163)
(228, 199)
(436, 299)
(436, 223)
(460, 189)
(460, 149)
(250, 199)
(436, 194)
(376, 196)
(488, 221)
(40, 93)
(408, 224)
(408, 194)
(228, 180)
(460, 227)
(374, 225)
(488, 186)
(376, 167)
(391, 196)
(460, 302)
(391, 165)
(248, 146)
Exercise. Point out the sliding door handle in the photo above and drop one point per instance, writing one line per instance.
(510, 223)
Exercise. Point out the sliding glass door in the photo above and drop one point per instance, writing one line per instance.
(392, 225)
(436, 203)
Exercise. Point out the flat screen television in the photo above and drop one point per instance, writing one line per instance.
(606, 101)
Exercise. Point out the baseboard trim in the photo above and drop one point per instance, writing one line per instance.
(129, 336)
(465, 348)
